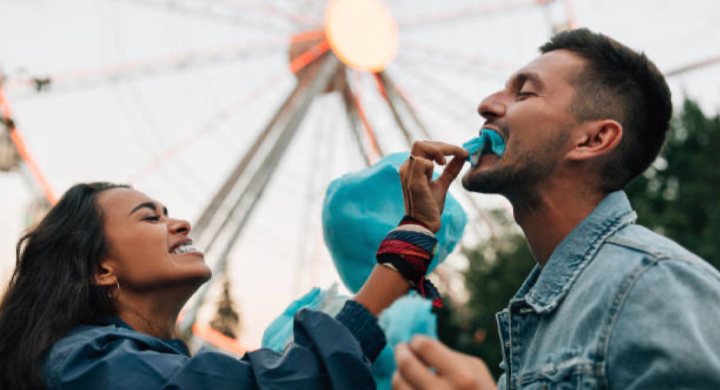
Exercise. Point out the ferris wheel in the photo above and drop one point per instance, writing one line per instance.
(249, 108)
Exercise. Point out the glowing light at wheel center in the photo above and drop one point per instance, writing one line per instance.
(361, 33)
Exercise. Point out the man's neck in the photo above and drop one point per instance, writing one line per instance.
(558, 211)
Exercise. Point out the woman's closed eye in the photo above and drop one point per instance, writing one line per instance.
(153, 218)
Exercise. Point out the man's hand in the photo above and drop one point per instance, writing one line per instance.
(453, 370)
(425, 197)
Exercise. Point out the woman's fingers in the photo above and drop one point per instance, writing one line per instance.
(436, 151)
(451, 172)
(425, 198)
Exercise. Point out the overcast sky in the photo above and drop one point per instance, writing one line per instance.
(109, 130)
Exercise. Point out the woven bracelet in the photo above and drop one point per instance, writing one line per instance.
(409, 249)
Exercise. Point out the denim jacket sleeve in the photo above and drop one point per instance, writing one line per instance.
(684, 353)
(326, 353)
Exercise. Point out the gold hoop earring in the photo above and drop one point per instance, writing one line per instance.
(110, 295)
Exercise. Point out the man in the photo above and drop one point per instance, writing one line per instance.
(610, 304)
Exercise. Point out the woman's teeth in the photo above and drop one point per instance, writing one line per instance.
(184, 249)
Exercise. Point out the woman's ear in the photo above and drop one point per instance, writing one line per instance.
(596, 139)
(104, 274)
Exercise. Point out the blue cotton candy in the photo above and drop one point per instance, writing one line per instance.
(361, 208)
(280, 331)
(407, 317)
(489, 141)
(358, 211)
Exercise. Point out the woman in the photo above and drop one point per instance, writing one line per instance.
(96, 293)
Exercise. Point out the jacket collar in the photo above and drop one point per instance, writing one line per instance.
(543, 291)
(177, 345)
(112, 320)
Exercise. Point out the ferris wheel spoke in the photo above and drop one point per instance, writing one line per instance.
(440, 86)
(392, 87)
(314, 5)
(435, 64)
(439, 104)
(298, 19)
(228, 112)
(467, 12)
(388, 92)
(369, 131)
(207, 12)
(7, 120)
(131, 70)
(356, 125)
(131, 99)
(448, 53)
(310, 9)
(309, 202)
(208, 126)
(692, 67)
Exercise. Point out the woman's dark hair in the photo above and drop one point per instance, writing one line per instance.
(53, 286)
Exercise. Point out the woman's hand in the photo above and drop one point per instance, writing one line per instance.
(425, 197)
(424, 201)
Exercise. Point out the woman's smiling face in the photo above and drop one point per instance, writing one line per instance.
(148, 249)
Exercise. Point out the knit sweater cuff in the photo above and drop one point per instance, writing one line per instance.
(364, 326)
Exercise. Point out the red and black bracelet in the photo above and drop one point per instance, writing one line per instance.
(409, 249)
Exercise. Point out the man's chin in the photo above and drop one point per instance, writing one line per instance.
(472, 181)
(486, 179)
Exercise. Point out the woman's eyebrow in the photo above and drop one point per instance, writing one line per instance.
(148, 205)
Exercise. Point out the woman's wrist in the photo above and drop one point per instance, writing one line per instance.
(409, 249)
(383, 287)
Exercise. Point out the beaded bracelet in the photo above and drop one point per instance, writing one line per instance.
(409, 249)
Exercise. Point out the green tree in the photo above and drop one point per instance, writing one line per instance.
(676, 197)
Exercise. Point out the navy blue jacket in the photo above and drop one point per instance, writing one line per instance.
(327, 353)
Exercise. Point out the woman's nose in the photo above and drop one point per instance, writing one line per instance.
(178, 226)
(492, 107)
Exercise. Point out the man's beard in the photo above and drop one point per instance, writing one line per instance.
(520, 182)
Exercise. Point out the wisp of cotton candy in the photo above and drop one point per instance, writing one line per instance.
(489, 141)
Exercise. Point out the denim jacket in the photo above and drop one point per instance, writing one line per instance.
(615, 307)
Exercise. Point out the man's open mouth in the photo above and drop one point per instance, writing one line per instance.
(488, 142)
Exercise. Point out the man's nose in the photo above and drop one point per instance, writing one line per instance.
(492, 107)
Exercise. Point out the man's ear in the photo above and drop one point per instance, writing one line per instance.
(596, 138)
(104, 274)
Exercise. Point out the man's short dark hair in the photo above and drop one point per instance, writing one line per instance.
(620, 84)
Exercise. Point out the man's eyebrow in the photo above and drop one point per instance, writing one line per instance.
(148, 205)
(523, 77)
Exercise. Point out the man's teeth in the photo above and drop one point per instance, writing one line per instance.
(184, 249)
(475, 158)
